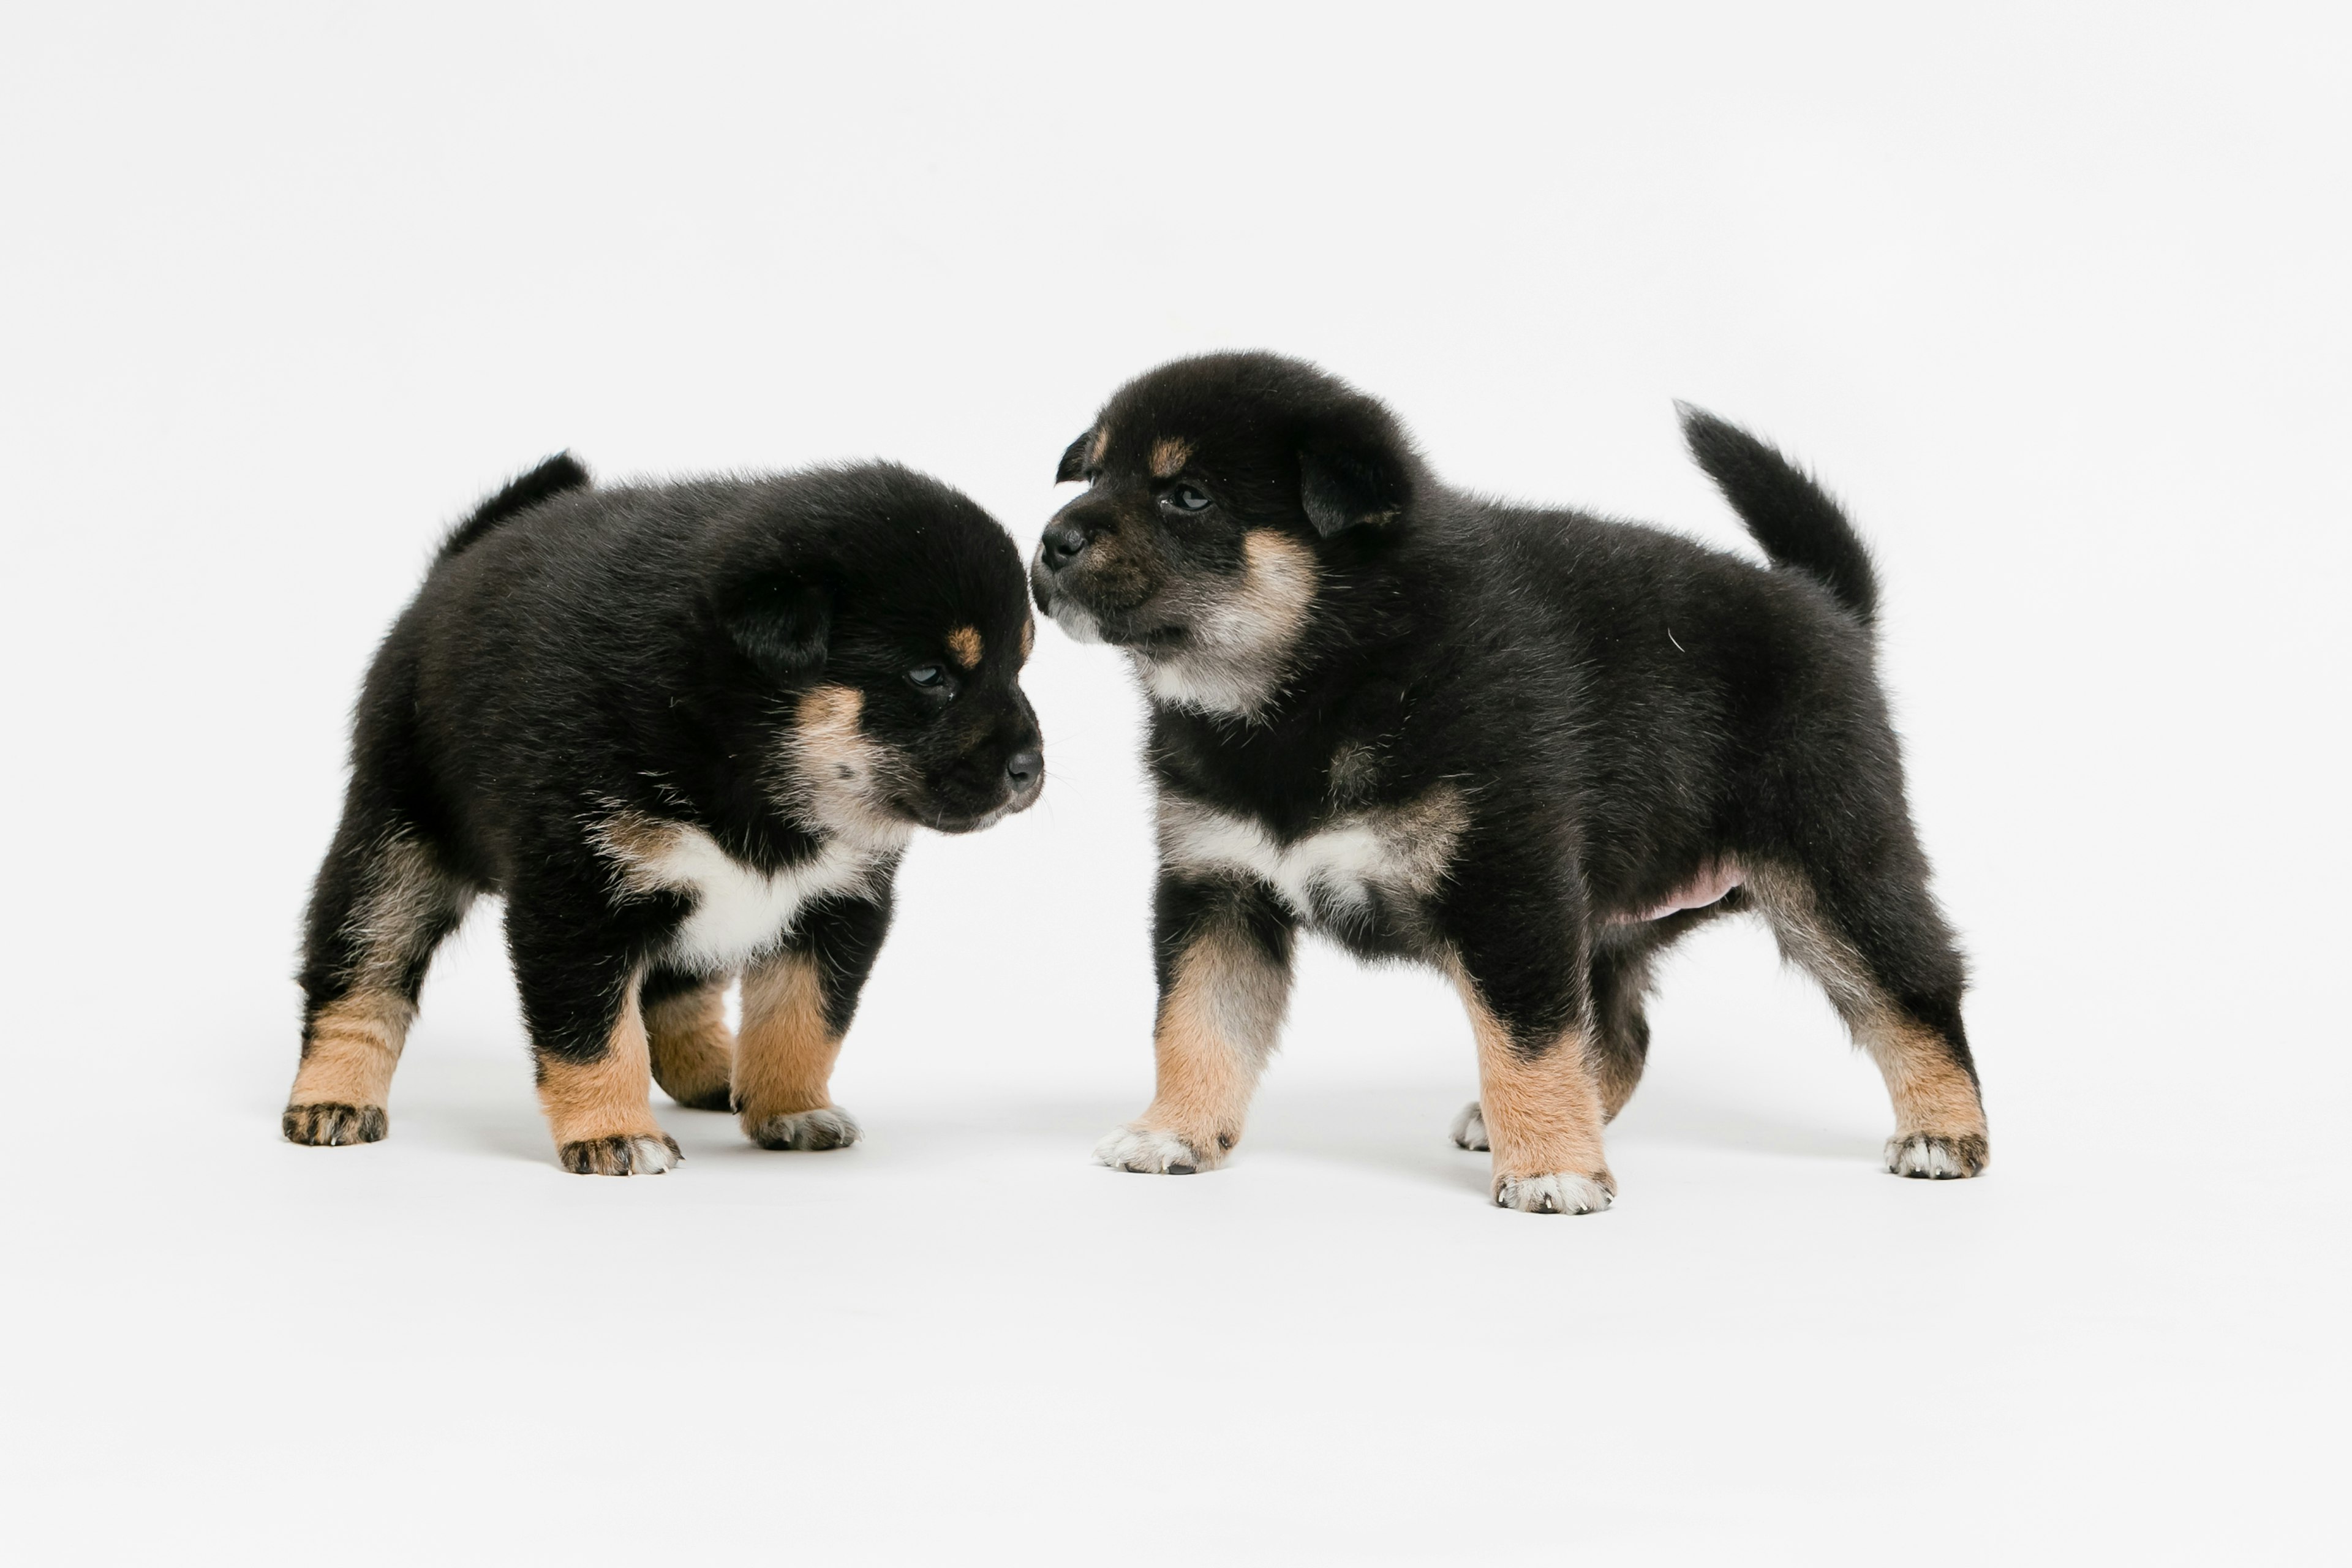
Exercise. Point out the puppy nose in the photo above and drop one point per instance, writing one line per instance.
(1023, 767)
(1063, 544)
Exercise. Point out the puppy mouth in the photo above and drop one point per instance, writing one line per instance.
(1134, 627)
(941, 818)
(940, 821)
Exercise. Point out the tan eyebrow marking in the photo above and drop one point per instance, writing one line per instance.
(1169, 458)
(964, 643)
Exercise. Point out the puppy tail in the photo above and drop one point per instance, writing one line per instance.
(560, 473)
(1800, 527)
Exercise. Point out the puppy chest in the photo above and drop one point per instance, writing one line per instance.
(739, 911)
(1334, 875)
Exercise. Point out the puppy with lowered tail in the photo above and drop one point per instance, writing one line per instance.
(1529, 748)
(687, 731)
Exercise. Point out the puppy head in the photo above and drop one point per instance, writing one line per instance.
(880, 619)
(1220, 490)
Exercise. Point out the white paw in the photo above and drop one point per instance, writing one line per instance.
(1554, 1192)
(638, 1154)
(826, 1127)
(1151, 1152)
(1935, 1159)
(1470, 1127)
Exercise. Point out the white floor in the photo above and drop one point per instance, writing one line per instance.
(2052, 297)
(962, 1339)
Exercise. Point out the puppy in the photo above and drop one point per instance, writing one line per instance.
(1528, 748)
(685, 730)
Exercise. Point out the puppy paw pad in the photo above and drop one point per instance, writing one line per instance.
(330, 1125)
(1150, 1152)
(827, 1127)
(1931, 1158)
(1555, 1192)
(1469, 1130)
(638, 1154)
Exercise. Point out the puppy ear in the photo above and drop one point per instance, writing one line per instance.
(1344, 487)
(1074, 459)
(782, 626)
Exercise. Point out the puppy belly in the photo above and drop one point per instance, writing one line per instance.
(1708, 885)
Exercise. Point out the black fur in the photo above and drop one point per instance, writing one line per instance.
(579, 658)
(560, 473)
(1789, 514)
(1619, 709)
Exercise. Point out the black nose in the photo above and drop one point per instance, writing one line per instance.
(1023, 768)
(1064, 542)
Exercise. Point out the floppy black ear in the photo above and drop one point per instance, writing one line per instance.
(1341, 489)
(1074, 460)
(783, 626)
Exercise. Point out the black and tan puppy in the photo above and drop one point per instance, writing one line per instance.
(1528, 748)
(685, 730)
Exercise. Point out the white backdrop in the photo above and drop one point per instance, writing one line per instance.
(2052, 297)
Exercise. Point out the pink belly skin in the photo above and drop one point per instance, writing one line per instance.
(1711, 883)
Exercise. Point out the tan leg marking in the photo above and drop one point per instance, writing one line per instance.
(600, 1112)
(1217, 1029)
(783, 1060)
(1543, 1117)
(351, 1049)
(350, 1045)
(1169, 456)
(1940, 1119)
(693, 1050)
(964, 643)
(1028, 638)
(348, 1054)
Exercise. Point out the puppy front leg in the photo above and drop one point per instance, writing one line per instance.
(580, 992)
(796, 1007)
(1540, 1095)
(685, 1026)
(1222, 952)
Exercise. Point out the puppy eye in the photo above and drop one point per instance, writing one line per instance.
(930, 676)
(1186, 497)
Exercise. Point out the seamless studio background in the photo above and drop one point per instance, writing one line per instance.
(2051, 296)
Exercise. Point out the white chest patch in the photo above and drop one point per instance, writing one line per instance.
(739, 911)
(1401, 851)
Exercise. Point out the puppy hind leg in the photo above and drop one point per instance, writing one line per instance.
(692, 1049)
(1892, 973)
(382, 905)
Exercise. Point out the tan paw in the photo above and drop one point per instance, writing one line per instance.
(633, 1154)
(826, 1127)
(1555, 1192)
(1152, 1151)
(330, 1125)
(1934, 1158)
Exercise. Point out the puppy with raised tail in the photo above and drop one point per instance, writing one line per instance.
(687, 731)
(1529, 748)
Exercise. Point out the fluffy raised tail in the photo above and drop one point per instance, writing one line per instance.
(1800, 527)
(560, 473)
